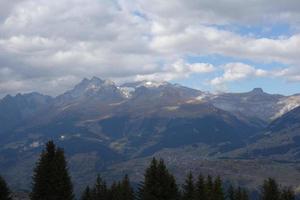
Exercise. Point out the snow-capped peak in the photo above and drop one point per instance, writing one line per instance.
(145, 83)
(152, 84)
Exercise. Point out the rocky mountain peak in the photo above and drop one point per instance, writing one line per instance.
(258, 91)
(94, 87)
(86, 84)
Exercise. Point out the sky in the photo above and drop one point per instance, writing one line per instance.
(211, 45)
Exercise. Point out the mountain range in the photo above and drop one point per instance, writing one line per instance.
(115, 129)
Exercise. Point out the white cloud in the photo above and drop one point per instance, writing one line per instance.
(208, 40)
(290, 74)
(237, 72)
(224, 12)
(201, 67)
(45, 43)
(178, 70)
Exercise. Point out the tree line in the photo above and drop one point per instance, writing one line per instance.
(51, 181)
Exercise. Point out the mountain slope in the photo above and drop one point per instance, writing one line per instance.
(101, 124)
(280, 141)
(14, 110)
(253, 104)
(98, 125)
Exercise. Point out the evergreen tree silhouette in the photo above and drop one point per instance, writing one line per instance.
(100, 191)
(121, 190)
(158, 183)
(115, 192)
(270, 190)
(209, 188)
(231, 192)
(200, 188)
(51, 180)
(87, 194)
(241, 194)
(188, 187)
(245, 195)
(127, 192)
(5, 193)
(217, 191)
(287, 194)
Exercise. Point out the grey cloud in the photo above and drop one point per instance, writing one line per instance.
(6, 8)
(48, 46)
(224, 12)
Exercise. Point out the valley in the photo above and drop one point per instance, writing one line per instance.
(115, 129)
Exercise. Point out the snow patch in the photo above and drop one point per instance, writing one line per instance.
(126, 91)
(151, 84)
(203, 97)
(287, 105)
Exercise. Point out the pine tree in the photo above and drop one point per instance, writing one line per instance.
(200, 188)
(4, 190)
(148, 188)
(231, 193)
(115, 192)
(126, 190)
(287, 194)
(188, 187)
(87, 194)
(51, 179)
(209, 188)
(270, 190)
(218, 193)
(241, 194)
(245, 195)
(158, 183)
(121, 190)
(237, 194)
(168, 187)
(100, 191)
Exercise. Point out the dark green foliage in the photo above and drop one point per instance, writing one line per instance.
(241, 194)
(209, 188)
(51, 179)
(121, 190)
(270, 190)
(87, 194)
(100, 191)
(200, 188)
(118, 191)
(231, 193)
(158, 183)
(218, 193)
(236, 193)
(127, 192)
(245, 195)
(115, 191)
(189, 191)
(287, 194)
(4, 190)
